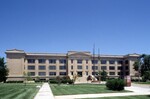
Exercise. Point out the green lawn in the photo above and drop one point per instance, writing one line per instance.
(79, 89)
(18, 91)
(142, 82)
(125, 97)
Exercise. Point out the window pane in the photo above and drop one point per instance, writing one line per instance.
(41, 60)
(111, 67)
(52, 73)
(103, 61)
(31, 60)
(103, 68)
(42, 68)
(79, 61)
(94, 61)
(111, 62)
(31, 73)
(62, 73)
(42, 73)
(79, 67)
(62, 61)
(111, 73)
(31, 67)
(52, 61)
(52, 67)
(62, 67)
(94, 67)
(120, 62)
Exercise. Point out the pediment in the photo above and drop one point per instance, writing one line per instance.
(79, 54)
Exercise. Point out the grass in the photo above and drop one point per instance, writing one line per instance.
(80, 89)
(125, 97)
(18, 91)
(142, 82)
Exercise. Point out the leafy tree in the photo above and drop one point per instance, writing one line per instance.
(103, 75)
(146, 76)
(142, 65)
(3, 70)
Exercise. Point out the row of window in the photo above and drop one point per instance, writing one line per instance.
(64, 73)
(79, 61)
(44, 73)
(78, 67)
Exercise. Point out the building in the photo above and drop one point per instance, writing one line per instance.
(49, 65)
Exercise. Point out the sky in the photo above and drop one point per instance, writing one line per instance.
(116, 27)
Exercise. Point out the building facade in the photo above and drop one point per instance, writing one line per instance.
(49, 65)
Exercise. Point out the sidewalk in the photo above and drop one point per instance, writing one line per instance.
(45, 92)
(136, 91)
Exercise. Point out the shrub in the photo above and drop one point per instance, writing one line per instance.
(53, 81)
(70, 81)
(14, 82)
(115, 84)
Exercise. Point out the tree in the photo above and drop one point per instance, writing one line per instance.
(3, 70)
(103, 75)
(142, 65)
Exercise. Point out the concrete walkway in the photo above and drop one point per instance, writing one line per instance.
(44, 92)
(136, 91)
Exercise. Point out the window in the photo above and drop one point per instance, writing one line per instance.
(42, 73)
(31, 60)
(126, 62)
(111, 62)
(86, 67)
(42, 68)
(72, 67)
(103, 68)
(62, 67)
(119, 73)
(119, 67)
(41, 60)
(120, 62)
(71, 73)
(31, 73)
(94, 67)
(111, 73)
(86, 61)
(127, 67)
(86, 73)
(94, 73)
(62, 73)
(79, 67)
(111, 67)
(52, 73)
(31, 67)
(79, 61)
(71, 60)
(94, 61)
(103, 61)
(62, 61)
(52, 61)
(52, 67)
(127, 73)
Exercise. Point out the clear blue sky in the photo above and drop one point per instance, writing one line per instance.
(115, 26)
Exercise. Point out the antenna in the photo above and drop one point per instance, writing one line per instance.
(94, 59)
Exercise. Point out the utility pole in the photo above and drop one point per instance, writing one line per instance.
(99, 65)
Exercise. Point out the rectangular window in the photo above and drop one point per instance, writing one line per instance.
(86, 73)
(119, 73)
(62, 73)
(42, 60)
(120, 62)
(62, 67)
(42, 67)
(42, 73)
(62, 61)
(127, 73)
(72, 61)
(52, 73)
(52, 67)
(79, 67)
(111, 73)
(94, 73)
(103, 67)
(111, 67)
(126, 62)
(79, 61)
(119, 67)
(31, 73)
(86, 67)
(31, 67)
(94, 67)
(94, 61)
(127, 67)
(71, 73)
(86, 61)
(31, 60)
(103, 61)
(72, 67)
(52, 61)
(111, 61)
